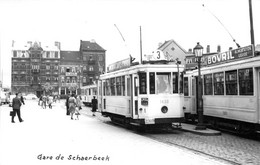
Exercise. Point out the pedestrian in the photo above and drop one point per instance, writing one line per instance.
(72, 105)
(40, 101)
(16, 108)
(79, 102)
(94, 105)
(44, 99)
(50, 102)
(67, 105)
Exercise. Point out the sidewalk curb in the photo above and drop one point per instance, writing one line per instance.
(207, 132)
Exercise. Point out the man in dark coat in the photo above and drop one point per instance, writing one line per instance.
(94, 105)
(16, 108)
(67, 105)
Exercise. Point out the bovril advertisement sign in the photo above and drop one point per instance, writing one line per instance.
(228, 56)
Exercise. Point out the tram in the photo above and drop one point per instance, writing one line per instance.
(146, 95)
(87, 93)
(231, 91)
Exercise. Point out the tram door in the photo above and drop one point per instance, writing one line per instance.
(134, 96)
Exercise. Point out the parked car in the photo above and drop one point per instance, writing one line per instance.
(30, 97)
(11, 100)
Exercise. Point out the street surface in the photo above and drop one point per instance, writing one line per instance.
(48, 136)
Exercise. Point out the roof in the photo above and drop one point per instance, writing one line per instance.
(70, 56)
(90, 46)
(166, 43)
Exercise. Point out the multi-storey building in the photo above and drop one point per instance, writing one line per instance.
(93, 61)
(34, 65)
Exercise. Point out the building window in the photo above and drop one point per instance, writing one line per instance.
(15, 53)
(219, 83)
(47, 54)
(208, 84)
(48, 67)
(231, 82)
(100, 58)
(56, 54)
(246, 81)
(90, 58)
(84, 68)
(62, 70)
(84, 58)
(91, 68)
(84, 80)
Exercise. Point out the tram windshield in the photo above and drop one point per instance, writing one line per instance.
(163, 83)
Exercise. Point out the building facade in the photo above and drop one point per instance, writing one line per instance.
(34, 66)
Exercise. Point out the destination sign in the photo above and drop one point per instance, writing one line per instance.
(119, 65)
(228, 56)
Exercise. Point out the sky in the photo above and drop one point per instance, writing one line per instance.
(210, 22)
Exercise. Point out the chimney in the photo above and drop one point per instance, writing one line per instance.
(57, 44)
(208, 49)
(29, 43)
(219, 49)
(13, 43)
(190, 51)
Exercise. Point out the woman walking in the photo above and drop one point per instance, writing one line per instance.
(72, 105)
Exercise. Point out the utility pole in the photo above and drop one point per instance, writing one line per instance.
(251, 24)
(141, 54)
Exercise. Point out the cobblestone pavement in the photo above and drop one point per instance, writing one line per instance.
(226, 146)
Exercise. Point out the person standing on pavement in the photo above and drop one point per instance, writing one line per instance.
(16, 108)
(67, 105)
(72, 105)
(94, 105)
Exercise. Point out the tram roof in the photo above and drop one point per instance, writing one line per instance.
(161, 67)
(249, 62)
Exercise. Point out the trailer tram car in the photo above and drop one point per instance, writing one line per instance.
(87, 93)
(143, 95)
(231, 91)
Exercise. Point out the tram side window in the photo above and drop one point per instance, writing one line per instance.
(231, 82)
(107, 87)
(175, 82)
(186, 86)
(142, 83)
(112, 86)
(163, 83)
(219, 83)
(118, 86)
(152, 82)
(208, 84)
(246, 86)
(123, 85)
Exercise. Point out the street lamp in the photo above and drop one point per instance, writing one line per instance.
(198, 50)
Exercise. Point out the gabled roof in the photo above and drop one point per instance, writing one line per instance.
(90, 46)
(167, 43)
(70, 56)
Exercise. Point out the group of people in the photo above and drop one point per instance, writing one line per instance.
(74, 103)
(16, 104)
(45, 101)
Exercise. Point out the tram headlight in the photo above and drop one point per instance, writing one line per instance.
(164, 109)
